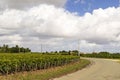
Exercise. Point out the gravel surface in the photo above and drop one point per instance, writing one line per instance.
(101, 69)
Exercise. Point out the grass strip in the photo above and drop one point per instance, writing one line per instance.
(48, 74)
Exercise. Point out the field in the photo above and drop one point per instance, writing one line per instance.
(47, 74)
(12, 63)
(36, 66)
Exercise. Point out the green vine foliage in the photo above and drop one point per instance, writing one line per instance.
(12, 63)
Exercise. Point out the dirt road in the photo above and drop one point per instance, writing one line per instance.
(101, 69)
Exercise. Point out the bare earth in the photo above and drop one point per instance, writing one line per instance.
(101, 69)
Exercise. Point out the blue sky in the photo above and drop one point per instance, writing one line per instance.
(83, 6)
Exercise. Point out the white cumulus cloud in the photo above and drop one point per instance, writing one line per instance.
(50, 25)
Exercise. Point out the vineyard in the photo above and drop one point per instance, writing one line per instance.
(12, 63)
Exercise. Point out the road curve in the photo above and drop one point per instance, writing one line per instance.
(101, 69)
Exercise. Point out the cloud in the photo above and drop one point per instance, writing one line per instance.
(43, 24)
(81, 1)
(50, 25)
(104, 26)
(20, 4)
(89, 47)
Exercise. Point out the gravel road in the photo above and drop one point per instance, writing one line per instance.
(101, 69)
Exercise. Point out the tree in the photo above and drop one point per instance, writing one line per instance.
(16, 49)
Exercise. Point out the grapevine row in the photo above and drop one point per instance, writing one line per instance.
(11, 63)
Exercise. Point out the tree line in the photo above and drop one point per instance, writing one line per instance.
(63, 52)
(15, 49)
(102, 55)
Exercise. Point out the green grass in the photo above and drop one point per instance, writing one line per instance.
(47, 73)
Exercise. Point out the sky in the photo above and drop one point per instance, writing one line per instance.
(83, 6)
(94, 25)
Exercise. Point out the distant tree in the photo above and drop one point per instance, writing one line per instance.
(16, 49)
(63, 52)
(69, 52)
(105, 53)
(55, 52)
(6, 48)
(74, 52)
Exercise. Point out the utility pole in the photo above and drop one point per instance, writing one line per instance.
(19, 49)
(41, 48)
(78, 47)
